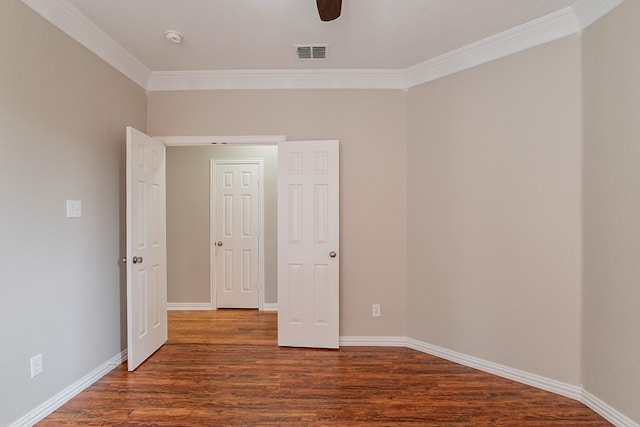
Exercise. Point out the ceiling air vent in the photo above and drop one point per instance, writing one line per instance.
(312, 51)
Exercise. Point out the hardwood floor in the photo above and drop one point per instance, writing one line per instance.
(223, 368)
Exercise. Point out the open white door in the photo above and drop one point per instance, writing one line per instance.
(146, 247)
(308, 242)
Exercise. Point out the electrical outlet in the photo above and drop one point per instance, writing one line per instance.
(375, 310)
(36, 365)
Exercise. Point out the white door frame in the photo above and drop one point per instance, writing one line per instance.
(213, 163)
(190, 141)
(186, 141)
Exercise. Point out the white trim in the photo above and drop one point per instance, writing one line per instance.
(213, 163)
(229, 140)
(373, 341)
(276, 79)
(607, 412)
(76, 25)
(48, 407)
(534, 33)
(270, 306)
(589, 11)
(189, 306)
(564, 389)
(212, 236)
(261, 282)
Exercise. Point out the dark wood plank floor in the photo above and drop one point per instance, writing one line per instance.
(224, 369)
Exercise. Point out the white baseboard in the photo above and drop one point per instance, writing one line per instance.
(203, 306)
(48, 407)
(558, 387)
(606, 411)
(194, 306)
(568, 390)
(189, 306)
(270, 306)
(554, 386)
(373, 341)
(571, 391)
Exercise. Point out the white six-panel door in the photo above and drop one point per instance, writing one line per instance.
(236, 235)
(146, 247)
(308, 243)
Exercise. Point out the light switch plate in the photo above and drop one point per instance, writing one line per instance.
(74, 208)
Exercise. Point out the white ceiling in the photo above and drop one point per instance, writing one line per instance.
(249, 43)
(260, 34)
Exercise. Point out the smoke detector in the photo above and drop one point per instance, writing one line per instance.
(174, 36)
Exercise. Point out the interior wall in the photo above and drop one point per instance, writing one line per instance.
(491, 198)
(63, 113)
(494, 219)
(370, 125)
(188, 218)
(611, 300)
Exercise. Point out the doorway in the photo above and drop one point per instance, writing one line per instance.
(189, 230)
(306, 213)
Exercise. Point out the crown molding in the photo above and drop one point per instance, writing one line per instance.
(276, 79)
(534, 33)
(589, 11)
(75, 24)
(551, 27)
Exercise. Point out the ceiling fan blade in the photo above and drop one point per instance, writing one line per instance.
(329, 9)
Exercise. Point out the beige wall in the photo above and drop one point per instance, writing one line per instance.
(63, 114)
(611, 303)
(494, 223)
(461, 204)
(370, 125)
(188, 219)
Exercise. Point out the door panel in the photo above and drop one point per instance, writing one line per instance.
(308, 243)
(146, 247)
(237, 233)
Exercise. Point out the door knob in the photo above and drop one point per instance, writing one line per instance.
(124, 260)
(219, 243)
(137, 260)
(333, 254)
